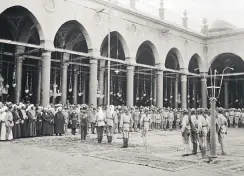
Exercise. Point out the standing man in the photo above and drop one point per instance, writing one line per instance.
(125, 126)
(93, 120)
(73, 121)
(83, 123)
(237, 117)
(185, 132)
(171, 119)
(100, 123)
(136, 116)
(231, 119)
(110, 122)
(59, 121)
(202, 132)
(194, 126)
(221, 130)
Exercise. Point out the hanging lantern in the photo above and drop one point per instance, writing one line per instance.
(111, 93)
(116, 71)
(80, 94)
(30, 94)
(70, 84)
(7, 86)
(171, 97)
(193, 99)
(236, 100)
(137, 98)
(188, 96)
(27, 84)
(165, 99)
(14, 79)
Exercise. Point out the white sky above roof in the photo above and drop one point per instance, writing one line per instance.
(228, 10)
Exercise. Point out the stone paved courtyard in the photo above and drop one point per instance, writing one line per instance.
(66, 155)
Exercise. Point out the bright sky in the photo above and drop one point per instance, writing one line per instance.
(228, 10)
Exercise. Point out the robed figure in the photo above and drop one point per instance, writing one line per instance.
(31, 121)
(39, 121)
(24, 121)
(59, 122)
(16, 120)
(46, 120)
(74, 121)
(51, 124)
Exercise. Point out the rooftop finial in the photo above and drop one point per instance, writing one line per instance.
(185, 13)
(205, 21)
(162, 4)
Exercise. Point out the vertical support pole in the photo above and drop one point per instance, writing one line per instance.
(184, 91)
(130, 86)
(18, 79)
(93, 83)
(160, 89)
(46, 65)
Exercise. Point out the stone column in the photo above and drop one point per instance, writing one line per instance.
(101, 85)
(204, 96)
(176, 92)
(226, 97)
(46, 65)
(64, 83)
(54, 82)
(130, 86)
(38, 97)
(160, 89)
(155, 91)
(184, 91)
(93, 83)
(19, 63)
(84, 92)
(75, 87)
(106, 92)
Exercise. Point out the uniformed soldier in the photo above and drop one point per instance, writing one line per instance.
(237, 117)
(145, 123)
(208, 119)
(110, 122)
(242, 118)
(74, 120)
(166, 113)
(185, 131)
(171, 119)
(194, 126)
(232, 114)
(125, 126)
(158, 120)
(177, 122)
(136, 117)
(202, 132)
(83, 123)
(221, 130)
(100, 124)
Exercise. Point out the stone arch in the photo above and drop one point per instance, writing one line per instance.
(174, 59)
(224, 60)
(148, 46)
(121, 42)
(24, 11)
(195, 64)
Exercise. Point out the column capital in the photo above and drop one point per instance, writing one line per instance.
(93, 61)
(130, 61)
(64, 65)
(101, 69)
(94, 52)
(20, 59)
(46, 53)
(183, 78)
(159, 72)
(130, 67)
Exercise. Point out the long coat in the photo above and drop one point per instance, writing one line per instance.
(46, 117)
(23, 125)
(74, 119)
(16, 128)
(31, 124)
(59, 121)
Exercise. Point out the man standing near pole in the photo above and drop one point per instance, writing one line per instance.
(221, 130)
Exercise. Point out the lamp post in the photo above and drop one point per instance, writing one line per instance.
(213, 100)
(109, 36)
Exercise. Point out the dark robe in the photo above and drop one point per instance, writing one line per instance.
(31, 124)
(39, 124)
(74, 120)
(23, 125)
(16, 128)
(46, 119)
(59, 122)
(51, 124)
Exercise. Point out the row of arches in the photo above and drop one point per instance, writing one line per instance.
(21, 25)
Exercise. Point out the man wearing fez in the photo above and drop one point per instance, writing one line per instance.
(110, 122)
(185, 132)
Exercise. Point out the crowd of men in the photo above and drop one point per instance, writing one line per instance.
(26, 120)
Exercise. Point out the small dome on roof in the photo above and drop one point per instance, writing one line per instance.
(221, 25)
